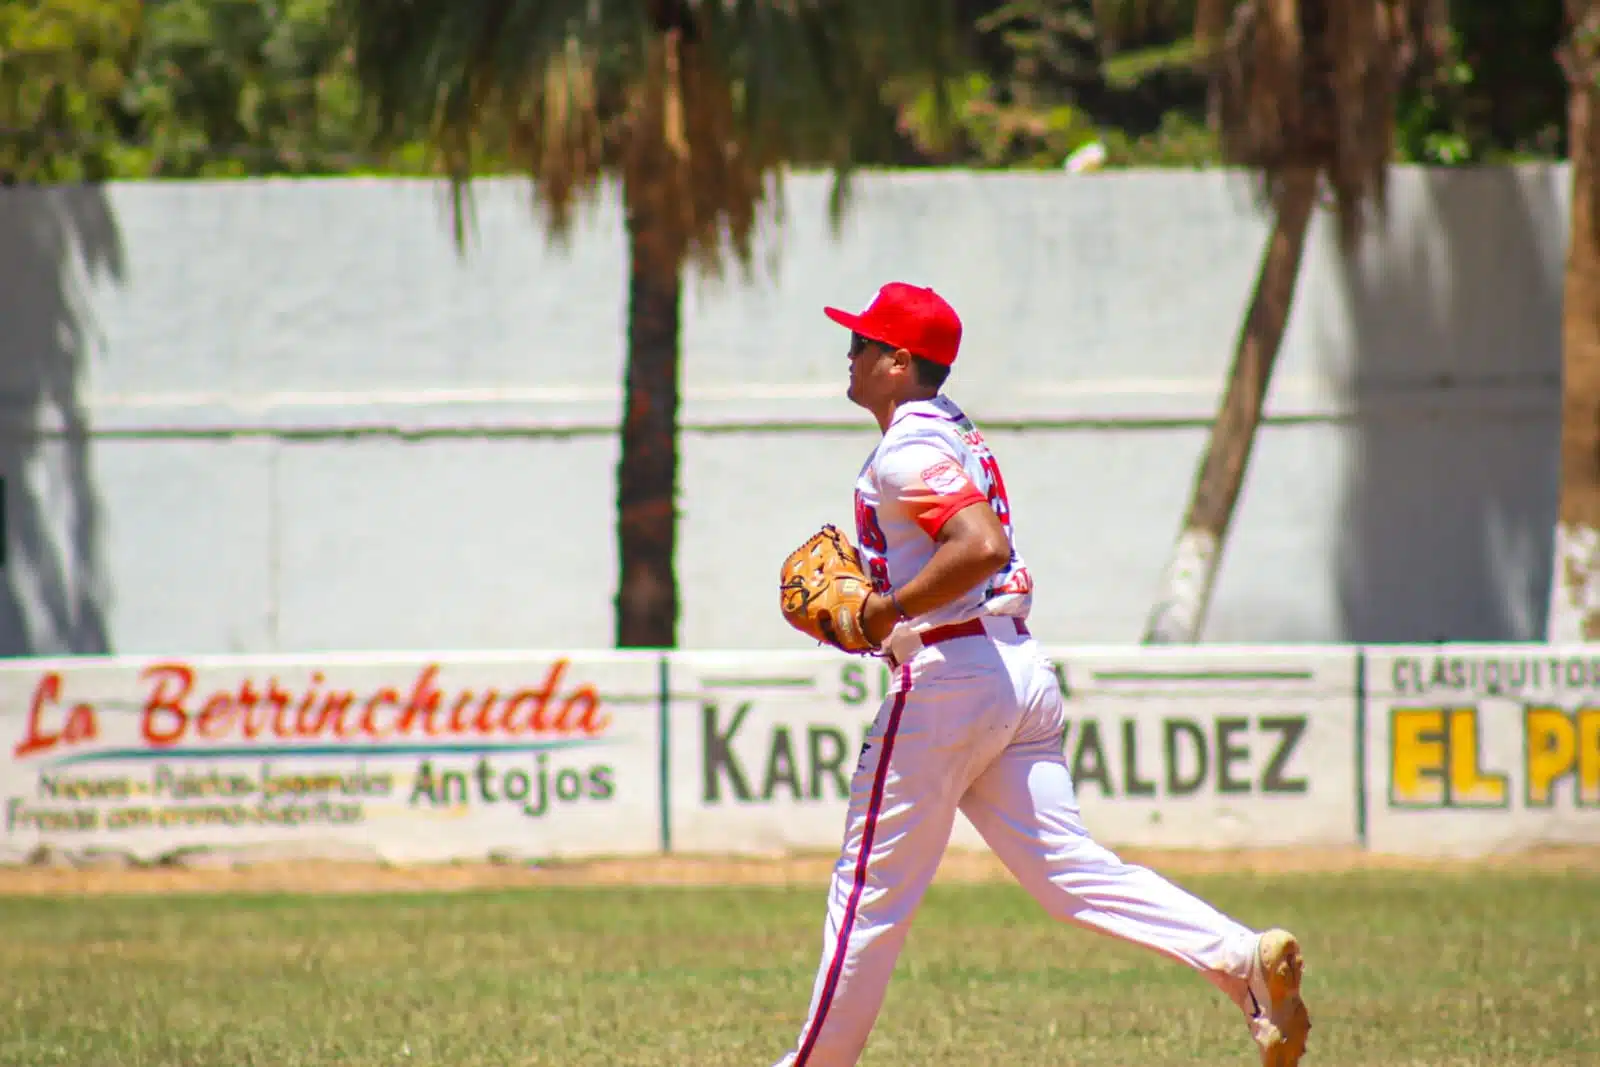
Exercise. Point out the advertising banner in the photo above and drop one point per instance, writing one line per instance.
(1191, 748)
(1214, 747)
(1475, 749)
(406, 758)
(762, 747)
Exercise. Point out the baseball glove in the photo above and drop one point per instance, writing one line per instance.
(823, 588)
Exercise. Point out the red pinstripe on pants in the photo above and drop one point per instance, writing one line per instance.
(863, 857)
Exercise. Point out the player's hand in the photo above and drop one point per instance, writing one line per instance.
(878, 616)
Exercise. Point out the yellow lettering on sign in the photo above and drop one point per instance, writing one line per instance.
(1552, 745)
(1589, 757)
(1470, 787)
(1563, 745)
(1417, 757)
(1434, 761)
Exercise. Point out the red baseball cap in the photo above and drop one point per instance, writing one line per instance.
(911, 317)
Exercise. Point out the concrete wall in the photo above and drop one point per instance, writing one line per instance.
(275, 416)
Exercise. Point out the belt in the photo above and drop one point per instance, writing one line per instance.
(970, 628)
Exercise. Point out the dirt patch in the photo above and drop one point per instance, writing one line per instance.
(99, 876)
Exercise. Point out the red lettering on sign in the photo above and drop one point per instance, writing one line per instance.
(368, 726)
(78, 725)
(175, 712)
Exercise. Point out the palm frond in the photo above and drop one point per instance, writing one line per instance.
(1313, 84)
(698, 105)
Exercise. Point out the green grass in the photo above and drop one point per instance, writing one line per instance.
(1403, 971)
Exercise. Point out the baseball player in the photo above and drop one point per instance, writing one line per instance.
(974, 719)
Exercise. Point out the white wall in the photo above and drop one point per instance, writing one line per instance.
(287, 416)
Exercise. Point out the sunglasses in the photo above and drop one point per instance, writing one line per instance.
(859, 343)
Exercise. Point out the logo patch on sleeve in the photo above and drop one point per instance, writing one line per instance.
(945, 477)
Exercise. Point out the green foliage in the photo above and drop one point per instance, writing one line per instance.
(990, 131)
(1432, 125)
(1047, 44)
(1124, 70)
(1045, 82)
(1180, 141)
(63, 65)
(94, 89)
(182, 88)
(268, 83)
(1501, 96)
(993, 134)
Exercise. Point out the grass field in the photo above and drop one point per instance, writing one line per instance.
(1405, 969)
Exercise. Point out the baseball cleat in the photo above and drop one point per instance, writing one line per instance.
(1279, 1021)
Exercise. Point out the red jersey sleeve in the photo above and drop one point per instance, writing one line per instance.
(927, 483)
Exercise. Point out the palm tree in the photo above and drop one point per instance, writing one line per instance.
(1303, 95)
(695, 108)
(1575, 599)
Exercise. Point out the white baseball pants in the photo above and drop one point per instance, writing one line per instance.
(976, 724)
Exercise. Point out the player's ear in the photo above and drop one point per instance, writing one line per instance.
(902, 360)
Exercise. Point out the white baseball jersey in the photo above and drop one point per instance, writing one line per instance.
(976, 729)
(931, 463)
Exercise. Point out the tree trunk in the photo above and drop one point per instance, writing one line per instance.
(1179, 615)
(647, 474)
(1575, 582)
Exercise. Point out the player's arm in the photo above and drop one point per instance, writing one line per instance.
(972, 549)
(971, 542)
